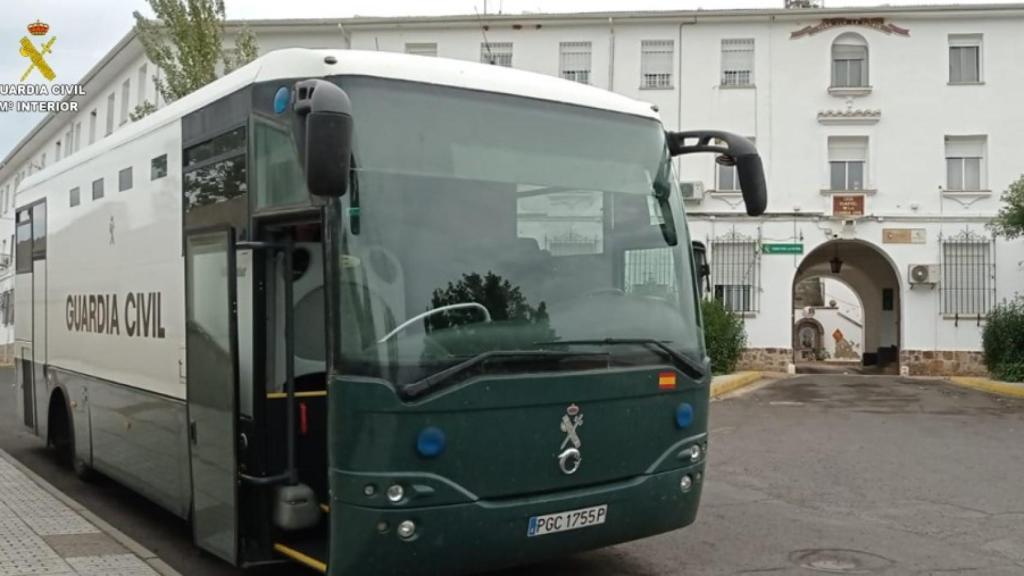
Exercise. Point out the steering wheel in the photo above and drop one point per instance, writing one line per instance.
(462, 305)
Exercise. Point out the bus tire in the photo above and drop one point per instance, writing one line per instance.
(61, 435)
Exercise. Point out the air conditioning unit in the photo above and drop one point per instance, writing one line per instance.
(924, 274)
(692, 190)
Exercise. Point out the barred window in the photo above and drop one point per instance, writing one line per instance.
(656, 63)
(421, 48)
(496, 53)
(968, 275)
(737, 61)
(651, 272)
(736, 272)
(574, 61)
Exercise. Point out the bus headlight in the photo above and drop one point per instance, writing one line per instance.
(686, 483)
(395, 493)
(406, 529)
(695, 452)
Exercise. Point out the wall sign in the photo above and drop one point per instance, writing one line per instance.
(782, 248)
(904, 236)
(844, 205)
(828, 23)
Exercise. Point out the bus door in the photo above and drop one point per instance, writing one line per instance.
(212, 372)
(30, 302)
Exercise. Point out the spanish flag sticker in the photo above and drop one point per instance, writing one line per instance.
(667, 381)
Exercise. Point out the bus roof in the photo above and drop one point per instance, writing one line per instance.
(446, 72)
(304, 63)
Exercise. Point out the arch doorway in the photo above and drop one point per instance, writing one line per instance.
(873, 279)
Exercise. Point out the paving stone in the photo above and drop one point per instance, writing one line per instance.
(111, 565)
(73, 545)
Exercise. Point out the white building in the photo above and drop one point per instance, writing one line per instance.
(887, 135)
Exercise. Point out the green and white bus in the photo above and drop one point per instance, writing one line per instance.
(378, 314)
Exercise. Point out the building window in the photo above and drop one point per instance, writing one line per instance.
(97, 189)
(850, 61)
(965, 162)
(738, 62)
(42, 160)
(74, 197)
(728, 180)
(126, 93)
(421, 48)
(964, 58)
(78, 136)
(92, 126)
(110, 114)
(656, 63)
(496, 53)
(736, 271)
(141, 96)
(574, 61)
(124, 179)
(56, 152)
(847, 162)
(158, 167)
(968, 275)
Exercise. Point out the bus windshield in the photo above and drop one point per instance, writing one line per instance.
(519, 231)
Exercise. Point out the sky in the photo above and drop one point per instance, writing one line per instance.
(87, 29)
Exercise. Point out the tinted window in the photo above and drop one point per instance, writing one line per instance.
(230, 143)
(74, 196)
(158, 167)
(97, 189)
(215, 181)
(23, 255)
(39, 231)
(124, 179)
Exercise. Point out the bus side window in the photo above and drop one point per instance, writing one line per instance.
(23, 252)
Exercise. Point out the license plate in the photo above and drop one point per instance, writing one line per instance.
(571, 520)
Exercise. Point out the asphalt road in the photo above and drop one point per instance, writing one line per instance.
(816, 474)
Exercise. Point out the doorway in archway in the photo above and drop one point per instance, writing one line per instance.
(859, 324)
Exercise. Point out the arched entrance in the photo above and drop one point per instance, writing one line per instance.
(869, 273)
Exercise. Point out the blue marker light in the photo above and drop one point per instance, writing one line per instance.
(430, 442)
(684, 415)
(281, 100)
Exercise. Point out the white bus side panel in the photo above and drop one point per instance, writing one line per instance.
(116, 276)
(115, 314)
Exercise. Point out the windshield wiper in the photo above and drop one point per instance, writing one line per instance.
(681, 361)
(420, 387)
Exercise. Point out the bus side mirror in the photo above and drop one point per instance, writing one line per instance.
(734, 150)
(323, 135)
(700, 263)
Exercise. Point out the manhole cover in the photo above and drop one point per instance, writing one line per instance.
(839, 561)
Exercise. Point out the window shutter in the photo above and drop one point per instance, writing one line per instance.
(847, 149)
(965, 147)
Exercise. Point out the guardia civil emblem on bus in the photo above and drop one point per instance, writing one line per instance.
(377, 313)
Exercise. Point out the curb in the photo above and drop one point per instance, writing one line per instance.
(121, 538)
(721, 385)
(989, 385)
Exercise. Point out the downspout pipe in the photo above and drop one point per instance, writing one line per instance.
(611, 54)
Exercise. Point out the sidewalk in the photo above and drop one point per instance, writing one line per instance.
(44, 533)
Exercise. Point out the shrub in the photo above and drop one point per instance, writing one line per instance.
(1003, 340)
(724, 336)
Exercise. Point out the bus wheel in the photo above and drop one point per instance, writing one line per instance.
(62, 436)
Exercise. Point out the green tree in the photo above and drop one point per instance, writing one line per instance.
(724, 336)
(1010, 220)
(185, 42)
